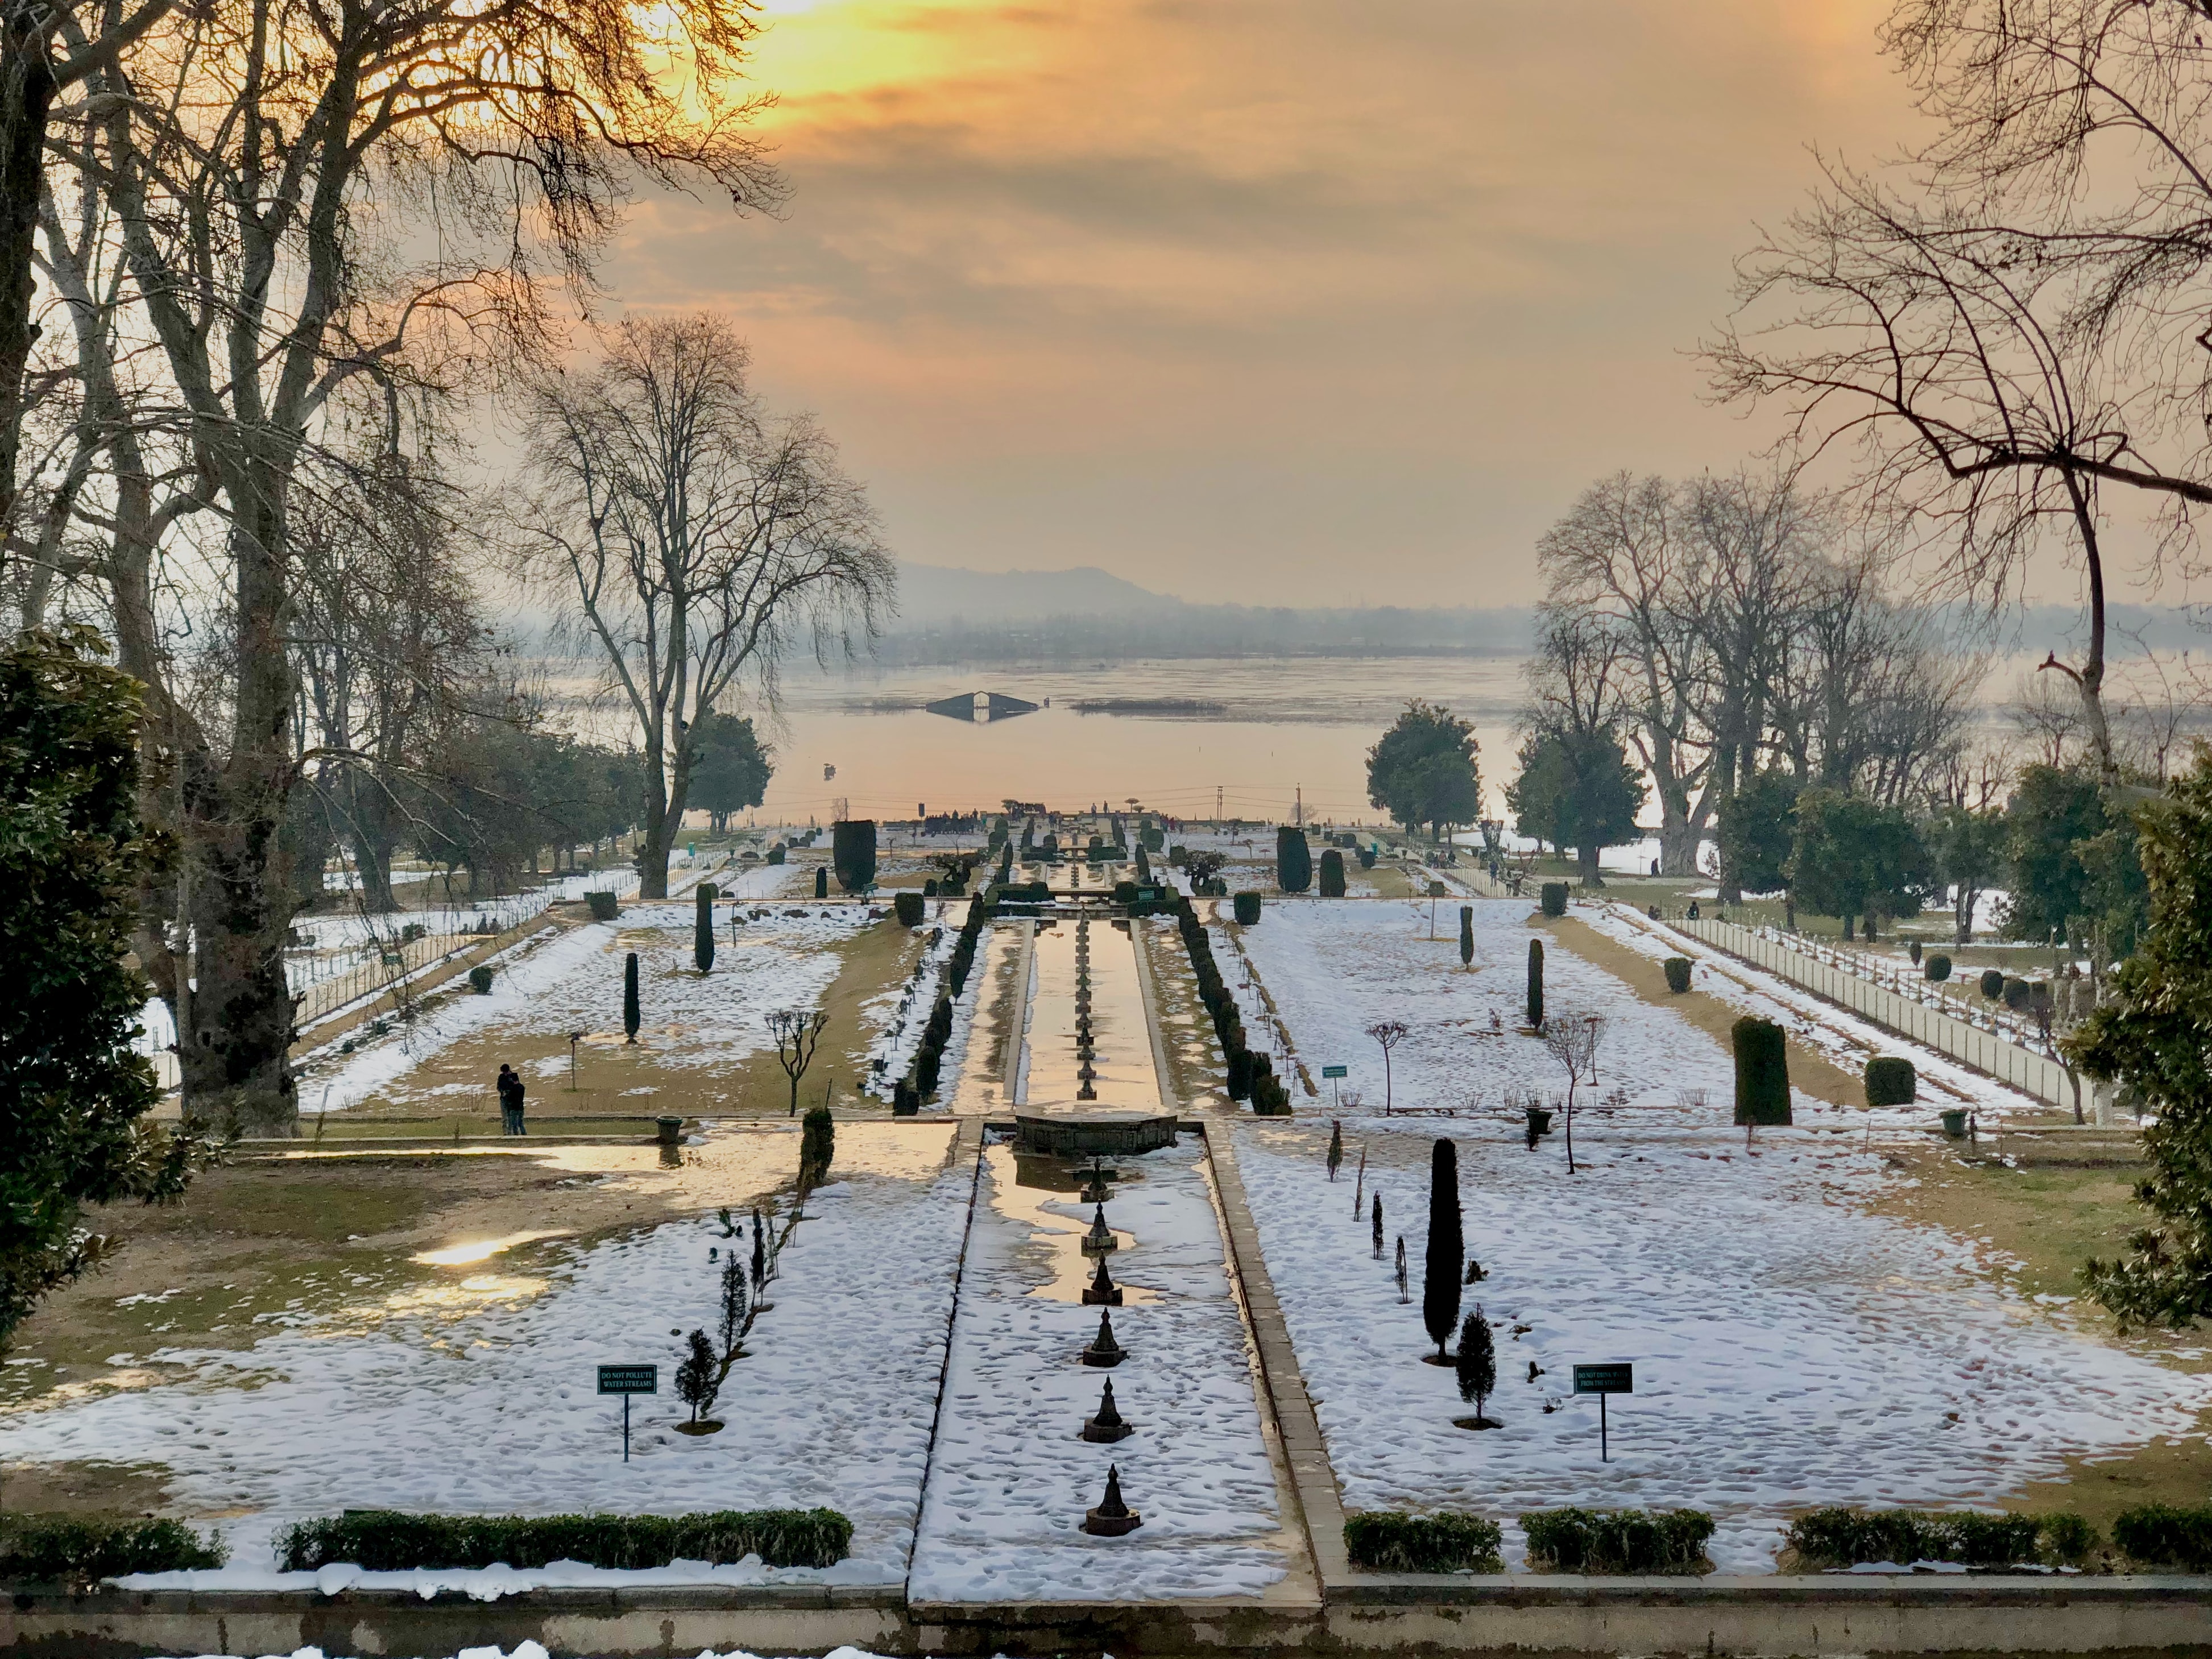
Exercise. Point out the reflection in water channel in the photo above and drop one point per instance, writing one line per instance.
(1120, 1039)
(1042, 1194)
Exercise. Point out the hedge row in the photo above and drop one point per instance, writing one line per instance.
(1843, 1537)
(82, 1549)
(1618, 1541)
(1422, 1543)
(385, 1540)
(1250, 1077)
(920, 1080)
(2166, 1535)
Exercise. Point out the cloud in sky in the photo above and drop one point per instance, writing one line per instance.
(1265, 299)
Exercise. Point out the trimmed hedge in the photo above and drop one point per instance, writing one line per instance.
(1937, 968)
(480, 981)
(1762, 1071)
(386, 1541)
(1332, 874)
(1422, 1543)
(2166, 1535)
(1367, 858)
(1992, 983)
(2018, 995)
(907, 906)
(1293, 859)
(1890, 1081)
(603, 906)
(1554, 898)
(1536, 983)
(1247, 908)
(1678, 974)
(77, 1549)
(1618, 1541)
(1842, 1537)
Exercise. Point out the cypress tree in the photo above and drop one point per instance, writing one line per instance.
(702, 929)
(1336, 1148)
(1332, 874)
(1293, 859)
(1377, 1224)
(630, 1013)
(1446, 1257)
(821, 881)
(1467, 935)
(1536, 983)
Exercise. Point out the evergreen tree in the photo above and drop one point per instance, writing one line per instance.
(1854, 857)
(1577, 789)
(1478, 1363)
(74, 1095)
(2150, 1038)
(1466, 936)
(1423, 771)
(696, 1382)
(730, 769)
(1377, 1224)
(1335, 1148)
(1446, 1257)
(817, 1140)
(1757, 824)
(631, 1014)
(1536, 983)
(1293, 859)
(702, 929)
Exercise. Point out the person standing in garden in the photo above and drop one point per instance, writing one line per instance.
(510, 1102)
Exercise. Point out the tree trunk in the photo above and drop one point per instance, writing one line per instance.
(2091, 679)
(1587, 859)
(1678, 845)
(238, 1066)
(26, 98)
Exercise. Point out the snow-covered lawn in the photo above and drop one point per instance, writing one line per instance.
(477, 1397)
(1012, 1477)
(1793, 1346)
(1843, 1037)
(574, 982)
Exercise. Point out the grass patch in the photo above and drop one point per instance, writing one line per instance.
(386, 1541)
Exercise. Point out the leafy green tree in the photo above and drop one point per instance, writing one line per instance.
(1577, 789)
(1758, 826)
(1968, 848)
(1424, 769)
(74, 1095)
(2150, 1037)
(2050, 814)
(1855, 857)
(733, 768)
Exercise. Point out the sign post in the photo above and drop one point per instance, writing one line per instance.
(627, 1380)
(1617, 1377)
(1334, 1073)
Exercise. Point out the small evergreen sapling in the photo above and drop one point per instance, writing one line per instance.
(631, 1015)
(1466, 936)
(1335, 1148)
(1478, 1368)
(1377, 1226)
(1536, 984)
(1447, 1247)
(696, 1383)
(702, 929)
(1404, 1295)
(821, 881)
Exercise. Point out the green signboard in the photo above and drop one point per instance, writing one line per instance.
(1619, 1377)
(1327, 1072)
(630, 1379)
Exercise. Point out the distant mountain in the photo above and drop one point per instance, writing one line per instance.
(1031, 616)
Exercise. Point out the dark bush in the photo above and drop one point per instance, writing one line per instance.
(1618, 1541)
(1293, 859)
(1247, 908)
(1269, 1097)
(853, 853)
(2166, 1535)
(1240, 1072)
(1421, 1543)
(1678, 974)
(1890, 1081)
(1367, 858)
(821, 881)
(480, 981)
(1554, 898)
(907, 906)
(2068, 1539)
(775, 854)
(1332, 874)
(1536, 983)
(1762, 1071)
(1937, 968)
(1992, 983)
(82, 1549)
(603, 905)
(1843, 1537)
(817, 1145)
(383, 1540)
(1912, 950)
(2017, 994)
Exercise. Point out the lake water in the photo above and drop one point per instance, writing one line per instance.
(1177, 736)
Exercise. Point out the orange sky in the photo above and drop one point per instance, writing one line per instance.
(1269, 299)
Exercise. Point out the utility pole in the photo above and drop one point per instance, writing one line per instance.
(1299, 810)
(1217, 803)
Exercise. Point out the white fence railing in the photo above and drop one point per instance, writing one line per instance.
(1920, 1015)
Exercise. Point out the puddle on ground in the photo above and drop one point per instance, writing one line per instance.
(1058, 1231)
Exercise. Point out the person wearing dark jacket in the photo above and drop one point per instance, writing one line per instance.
(510, 1102)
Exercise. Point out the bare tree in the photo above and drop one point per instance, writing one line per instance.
(797, 1035)
(693, 539)
(1572, 1039)
(1387, 1034)
(273, 171)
